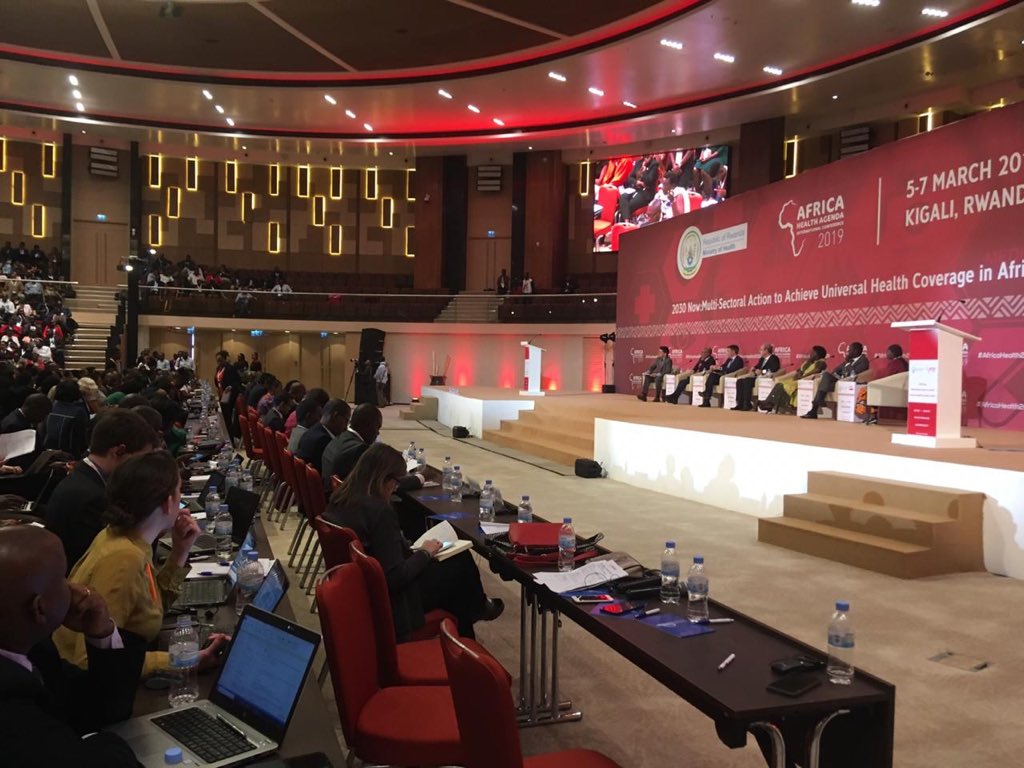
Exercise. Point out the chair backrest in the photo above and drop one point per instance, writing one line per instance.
(314, 493)
(270, 451)
(335, 483)
(288, 470)
(383, 619)
(334, 542)
(346, 621)
(240, 403)
(483, 705)
(299, 468)
(243, 427)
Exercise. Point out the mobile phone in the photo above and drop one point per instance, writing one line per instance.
(616, 609)
(794, 685)
(590, 599)
(447, 545)
(796, 664)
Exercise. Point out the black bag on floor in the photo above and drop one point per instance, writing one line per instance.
(460, 432)
(589, 468)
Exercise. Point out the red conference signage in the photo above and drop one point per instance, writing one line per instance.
(927, 227)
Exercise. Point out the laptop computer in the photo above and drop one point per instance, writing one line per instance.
(214, 590)
(274, 585)
(243, 506)
(250, 705)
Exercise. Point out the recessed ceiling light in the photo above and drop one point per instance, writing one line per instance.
(835, 96)
(443, 93)
(208, 95)
(80, 107)
(73, 80)
(936, 12)
(350, 113)
(473, 108)
(557, 76)
(869, 3)
(530, 148)
(498, 121)
(391, 154)
(673, 44)
(595, 91)
(728, 58)
(83, 130)
(230, 122)
(219, 108)
(772, 70)
(330, 99)
(244, 147)
(673, 130)
(76, 94)
(367, 126)
(629, 104)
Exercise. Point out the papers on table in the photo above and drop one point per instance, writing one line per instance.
(444, 533)
(590, 574)
(207, 570)
(490, 529)
(15, 444)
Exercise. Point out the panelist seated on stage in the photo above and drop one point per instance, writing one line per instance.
(892, 364)
(767, 365)
(704, 364)
(782, 398)
(47, 706)
(733, 365)
(417, 583)
(662, 365)
(856, 363)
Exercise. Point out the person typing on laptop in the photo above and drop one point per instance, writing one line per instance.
(46, 705)
(143, 502)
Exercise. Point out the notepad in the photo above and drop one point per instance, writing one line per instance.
(15, 444)
(444, 533)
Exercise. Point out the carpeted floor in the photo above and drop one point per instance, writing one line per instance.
(945, 717)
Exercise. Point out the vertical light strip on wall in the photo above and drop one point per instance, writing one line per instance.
(302, 181)
(192, 174)
(248, 205)
(585, 169)
(319, 210)
(387, 213)
(154, 227)
(174, 202)
(792, 157)
(274, 180)
(231, 177)
(410, 242)
(156, 169)
(274, 237)
(334, 239)
(409, 173)
(38, 220)
(49, 164)
(370, 191)
(337, 182)
(17, 188)
(3, 154)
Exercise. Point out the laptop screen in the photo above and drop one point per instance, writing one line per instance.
(265, 670)
(272, 589)
(242, 506)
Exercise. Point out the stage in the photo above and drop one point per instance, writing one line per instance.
(746, 462)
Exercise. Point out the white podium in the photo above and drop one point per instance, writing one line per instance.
(531, 369)
(934, 386)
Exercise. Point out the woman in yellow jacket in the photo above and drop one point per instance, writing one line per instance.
(143, 503)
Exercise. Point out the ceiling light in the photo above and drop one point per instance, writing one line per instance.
(76, 94)
(219, 108)
(367, 126)
(936, 12)
(869, 3)
(673, 44)
(556, 76)
(80, 106)
(208, 95)
(499, 122)
(629, 104)
(772, 70)
(442, 92)
(329, 99)
(73, 80)
(595, 91)
(530, 148)
(230, 122)
(673, 130)
(391, 154)
(728, 58)
(474, 109)
(350, 113)
(244, 147)
(835, 96)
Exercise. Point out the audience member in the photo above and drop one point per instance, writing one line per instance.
(318, 394)
(67, 425)
(307, 413)
(343, 452)
(333, 422)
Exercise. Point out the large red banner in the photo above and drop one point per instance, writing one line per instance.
(924, 228)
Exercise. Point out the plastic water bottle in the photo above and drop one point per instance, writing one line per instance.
(566, 545)
(245, 481)
(840, 645)
(184, 663)
(446, 474)
(697, 591)
(487, 501)
(670, 571)
(410, 452)
(250, 577)
(231, 479)
(223, 526)
(456, 489)
(212, 507)
(421, 459)
(525, 512)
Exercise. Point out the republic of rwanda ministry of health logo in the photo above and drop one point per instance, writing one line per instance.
(690, 253)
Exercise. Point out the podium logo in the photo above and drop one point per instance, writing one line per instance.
(690, 253)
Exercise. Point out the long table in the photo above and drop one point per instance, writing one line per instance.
(849, 726)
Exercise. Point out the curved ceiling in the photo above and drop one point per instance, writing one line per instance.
(721, 53)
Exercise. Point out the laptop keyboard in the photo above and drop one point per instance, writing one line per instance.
(203, 734)
(202, 592)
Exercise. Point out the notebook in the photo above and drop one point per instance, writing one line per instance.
(250, 706)
(451, 544)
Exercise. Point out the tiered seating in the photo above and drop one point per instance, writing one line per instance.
(398, 308)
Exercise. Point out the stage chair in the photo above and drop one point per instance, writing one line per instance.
(416, 662)
(389, 725)
(889, 392)
(487, 718)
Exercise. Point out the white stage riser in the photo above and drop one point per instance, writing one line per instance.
(751, 476)
(474, 414)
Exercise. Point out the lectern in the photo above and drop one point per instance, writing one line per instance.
(934, 385)
(531, 369)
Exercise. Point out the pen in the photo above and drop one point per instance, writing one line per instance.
(721, 621)
(206, 573)
(728, 660)
(651, 612)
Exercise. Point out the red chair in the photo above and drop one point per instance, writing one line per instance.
(335, 541)
(274, 460)
(287, 475)
(487, 717)
(391, 725)
(335, 483)
(252, 453)
(317, 505)
(417, 662)
(299, 470)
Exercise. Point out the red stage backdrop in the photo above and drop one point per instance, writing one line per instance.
(927, 227)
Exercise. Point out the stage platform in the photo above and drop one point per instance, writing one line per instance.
(746, 462)
(479, 408)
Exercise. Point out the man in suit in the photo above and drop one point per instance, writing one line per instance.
(662, 364)
(333, 422)
(856, 363)
(704, 363)
(75, 510)
(274, 418)
(344, 451)
(46, 704)
(67, 424)
(767, 364)
(732, 364)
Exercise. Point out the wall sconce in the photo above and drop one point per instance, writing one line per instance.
(409, 172)
(274, 180)
(154, 226)
(17, 187)
(231, 177)
(387, 213)
(337, 179)
(248, 205)
(192, 174)
(410, 241)
(156, 169)
(334, 239)
(371, 191)
(302, 181)
(274, 237)
(38, 221)
(585, 178)
(319, 210)
(49, 168)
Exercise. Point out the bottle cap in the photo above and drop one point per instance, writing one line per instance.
(842, 605)
(670, 545)
(184, 620)
(487, 482)
(252, 555)
(698, 559)
(566, 520)
(447, 458)
(173, 756)
(457, 468)
(525, 497)
(224, 508)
